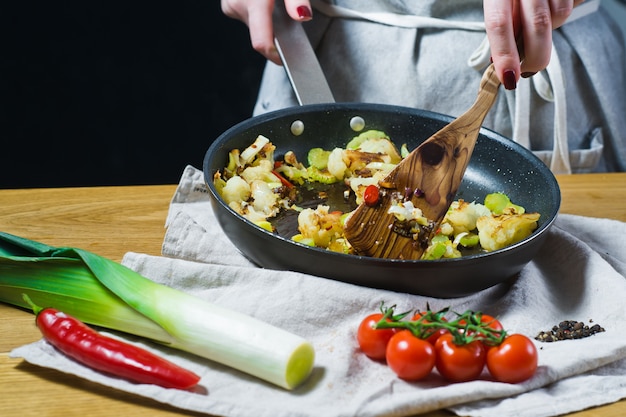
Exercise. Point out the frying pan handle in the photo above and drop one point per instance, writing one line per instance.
(303, 69)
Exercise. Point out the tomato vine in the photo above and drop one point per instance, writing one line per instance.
(465, 328)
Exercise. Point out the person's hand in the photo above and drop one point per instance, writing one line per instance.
(527, 23)
(257, 15)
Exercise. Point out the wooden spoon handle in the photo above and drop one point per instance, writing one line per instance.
(487, 92)
(437, 166)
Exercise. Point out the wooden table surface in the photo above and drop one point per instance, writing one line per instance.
(111, 221)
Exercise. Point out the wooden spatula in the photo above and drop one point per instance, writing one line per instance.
(429, 177)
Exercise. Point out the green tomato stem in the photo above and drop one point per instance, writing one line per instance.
(465, 328)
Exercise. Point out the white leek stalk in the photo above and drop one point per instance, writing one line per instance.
(99, 291)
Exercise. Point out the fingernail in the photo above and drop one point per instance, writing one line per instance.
(527, 74)
(304, 13)
(509, 80)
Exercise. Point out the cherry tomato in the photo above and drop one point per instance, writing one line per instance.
(371, 195)
(372, 341)
(432, 339)
(410, 357)
(459, 363)
(514, 360)
(492, 322)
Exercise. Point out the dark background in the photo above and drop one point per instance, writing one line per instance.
(110, 93)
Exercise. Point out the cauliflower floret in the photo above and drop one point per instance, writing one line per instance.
(251, 214)
(496, 232)
(384, 147)
(262, 172)
(319, 225)
(407, 211)
(236, 190)
(377, 170)
(264, 199)
(446, 228)
(462, 215)
(336, 165)
(359, 184)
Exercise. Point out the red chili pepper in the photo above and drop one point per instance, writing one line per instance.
(371, 195)
(80, 342)
(283, 180)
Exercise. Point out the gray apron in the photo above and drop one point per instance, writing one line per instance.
(430, 54)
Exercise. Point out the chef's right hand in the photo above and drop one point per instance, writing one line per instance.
(509, 22)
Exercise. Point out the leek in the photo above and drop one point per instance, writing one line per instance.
(105, 293)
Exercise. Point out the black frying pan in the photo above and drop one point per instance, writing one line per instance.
(497, 164)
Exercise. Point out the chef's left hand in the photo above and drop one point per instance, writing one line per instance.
(528, 21)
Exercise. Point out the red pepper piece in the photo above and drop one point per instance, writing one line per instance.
(283, 180)
(371, 195)
(106, 354)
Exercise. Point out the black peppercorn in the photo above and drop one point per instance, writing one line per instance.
(569, 329)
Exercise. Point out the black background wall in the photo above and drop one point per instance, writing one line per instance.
(112, 92)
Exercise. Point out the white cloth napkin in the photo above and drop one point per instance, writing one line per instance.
(579, 274)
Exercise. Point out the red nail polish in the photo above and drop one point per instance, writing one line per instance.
(304, 12)
(527, 74)
(510, 82)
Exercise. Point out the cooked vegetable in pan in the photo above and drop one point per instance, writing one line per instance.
(310, 202)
